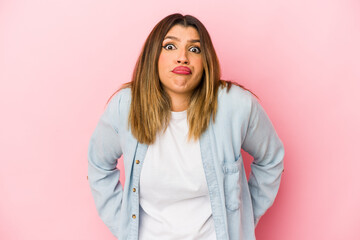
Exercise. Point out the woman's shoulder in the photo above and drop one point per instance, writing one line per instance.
(235, 104)
(235, 94)
(123, 94)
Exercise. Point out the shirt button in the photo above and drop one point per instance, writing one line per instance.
(133, 216)
(134, 189)
(137, 161)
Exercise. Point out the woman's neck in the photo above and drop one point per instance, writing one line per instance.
(179, 103)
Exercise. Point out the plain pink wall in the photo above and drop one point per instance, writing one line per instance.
(61, 60)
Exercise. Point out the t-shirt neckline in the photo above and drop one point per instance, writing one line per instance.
(178, 115)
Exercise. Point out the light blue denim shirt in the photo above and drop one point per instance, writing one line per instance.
(237, 204)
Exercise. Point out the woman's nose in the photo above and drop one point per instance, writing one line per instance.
(182, 57)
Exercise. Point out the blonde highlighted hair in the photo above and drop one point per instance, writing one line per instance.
(150, 109)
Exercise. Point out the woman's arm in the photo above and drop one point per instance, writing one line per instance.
(103, 175)
(262, 142)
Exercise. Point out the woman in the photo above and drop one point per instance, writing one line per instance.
(180, 130)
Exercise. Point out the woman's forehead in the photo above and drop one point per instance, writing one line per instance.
(178, 32)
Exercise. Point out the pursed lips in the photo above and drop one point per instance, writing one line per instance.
(181, 70)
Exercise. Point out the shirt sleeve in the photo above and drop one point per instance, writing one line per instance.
(103, 153)
(262, 142)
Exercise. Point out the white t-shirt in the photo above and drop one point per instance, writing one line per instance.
(174, 198)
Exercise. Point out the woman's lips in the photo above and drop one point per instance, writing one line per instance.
(181, 70)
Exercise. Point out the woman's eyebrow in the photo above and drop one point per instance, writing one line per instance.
(177, 39)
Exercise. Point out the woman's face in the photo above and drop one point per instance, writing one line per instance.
(180, 48)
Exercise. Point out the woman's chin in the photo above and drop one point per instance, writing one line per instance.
(180, 83)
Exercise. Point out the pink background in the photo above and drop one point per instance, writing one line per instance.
(61, 60)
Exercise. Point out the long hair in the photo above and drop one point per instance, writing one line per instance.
(150, 109)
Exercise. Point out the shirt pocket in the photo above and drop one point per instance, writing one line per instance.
(232, 185)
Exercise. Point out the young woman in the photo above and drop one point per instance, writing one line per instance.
(180, 130)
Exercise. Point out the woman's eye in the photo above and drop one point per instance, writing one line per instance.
(169, 46)
(195, 49)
